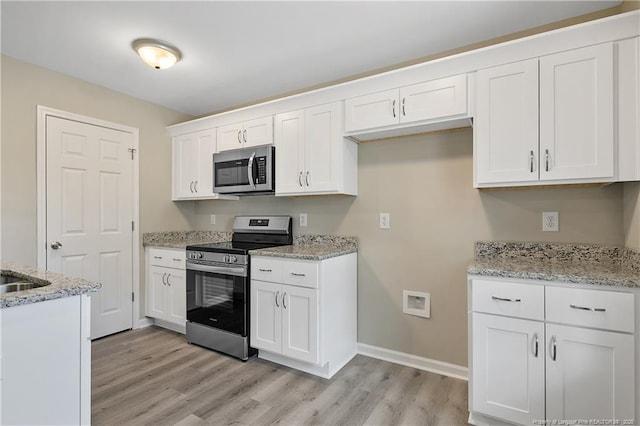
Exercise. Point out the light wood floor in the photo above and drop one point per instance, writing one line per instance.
(153, 377)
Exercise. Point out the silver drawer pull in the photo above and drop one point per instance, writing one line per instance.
(504, 299)
(585, 308)
(176, 260)
(298, 275)
(157, 257)
(265, 270)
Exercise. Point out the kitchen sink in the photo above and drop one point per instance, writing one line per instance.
(9, 284)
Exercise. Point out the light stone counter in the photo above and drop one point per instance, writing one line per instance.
(572, 263)
(59, 285)
(182, 239)
(312, 247)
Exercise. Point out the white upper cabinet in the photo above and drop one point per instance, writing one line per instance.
(576, 114)
(628, 94)
(312, 157)
(506, 123)
(193, 165)
(386, 113)
(243, 135)
(567, 138)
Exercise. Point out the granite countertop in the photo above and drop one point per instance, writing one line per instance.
(59, 285)
(572, 263)
(312, 247)
(182, 239)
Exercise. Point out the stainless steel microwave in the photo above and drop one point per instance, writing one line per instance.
(247, 171)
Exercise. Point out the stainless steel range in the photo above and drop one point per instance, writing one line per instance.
(218, 277)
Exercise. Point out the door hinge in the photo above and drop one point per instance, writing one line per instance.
(133, 297)
(133, 226)
(133, 152)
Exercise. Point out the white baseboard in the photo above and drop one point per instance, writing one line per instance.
(421, 363)
(142, 323)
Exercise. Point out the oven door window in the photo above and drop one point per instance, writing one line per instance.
(217, 300)
(231, 173)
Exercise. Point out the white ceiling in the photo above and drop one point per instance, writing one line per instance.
(237, 52)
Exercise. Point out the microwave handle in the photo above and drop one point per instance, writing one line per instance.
(250, 169)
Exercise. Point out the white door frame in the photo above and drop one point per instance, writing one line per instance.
(41, 184)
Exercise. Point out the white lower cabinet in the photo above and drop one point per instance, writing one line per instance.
(286, 320)
(541, 352)
(166, 287)
(304, 312)
(45, 368)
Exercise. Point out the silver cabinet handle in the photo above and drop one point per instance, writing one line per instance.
(585, 308)
(284, 305)
(298, 275)
(535, 345)
(250, 169)
(277, 294)
(546, 160)
(553, 348)
(300, 179)
(157, 257)
(504, 299)
(163, 279)
(403, 111)
(265, 270)
(177, 260)
(393, 108)
(531, 158)
(244, 135)
(239, 140)
(56, 245)
(195, 186)
(168, 282)
(306, 178)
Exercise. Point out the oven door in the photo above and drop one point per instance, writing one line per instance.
(217, 296)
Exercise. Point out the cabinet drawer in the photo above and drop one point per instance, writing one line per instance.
(303, 274)
(266, 269)
(510, 299)
(167, 258)
(608, 310)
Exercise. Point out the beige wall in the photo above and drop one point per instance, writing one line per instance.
(24, 86)
(631, 214)
(425, 182)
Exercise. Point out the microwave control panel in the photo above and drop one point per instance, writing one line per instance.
(261, 176)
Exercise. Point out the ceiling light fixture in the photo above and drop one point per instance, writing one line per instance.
(155, 53)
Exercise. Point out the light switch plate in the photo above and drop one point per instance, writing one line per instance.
(212, 219)
(303, 219)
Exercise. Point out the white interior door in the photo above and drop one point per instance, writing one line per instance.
(89, 190)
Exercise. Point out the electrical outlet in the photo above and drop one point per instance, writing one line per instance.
(550, 221)
(303, 219)
(212, 219)
(385, 221)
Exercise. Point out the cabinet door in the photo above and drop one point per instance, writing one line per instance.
(508, 368)
(576, 114)
(506, 123)
(229, 137)
(266, 318)
(370, 111)
(185, 149)
(156, 289)
(437, 99)
(300, 323)
(289, 141)
(590, 374)
(176, 296)
(206, 147)
(258, 132)
(322, 136)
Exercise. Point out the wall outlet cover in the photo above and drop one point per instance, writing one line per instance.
(550, 221)
(416, 303)
(385, 221)
(212, 219)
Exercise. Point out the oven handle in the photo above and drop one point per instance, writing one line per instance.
(238, 271)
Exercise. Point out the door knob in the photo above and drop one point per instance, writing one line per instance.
(56, 245)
